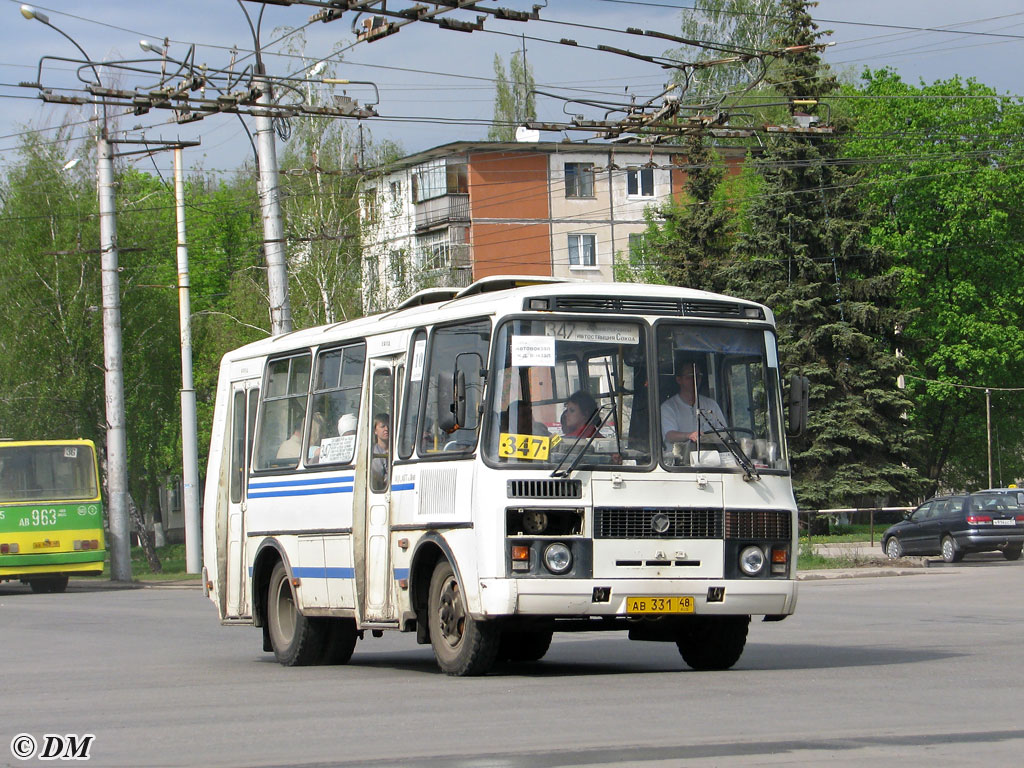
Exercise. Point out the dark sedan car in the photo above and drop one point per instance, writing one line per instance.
(952, 526)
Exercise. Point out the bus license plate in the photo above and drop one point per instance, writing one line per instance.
(674, 604)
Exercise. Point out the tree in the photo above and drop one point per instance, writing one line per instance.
(695, 240)
(947, 168)
(806, 252)
(514, 101)
(727, 26)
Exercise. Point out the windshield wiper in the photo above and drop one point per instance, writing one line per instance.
(749, 468)
(557, 472)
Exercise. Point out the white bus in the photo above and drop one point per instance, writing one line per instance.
(490, 465)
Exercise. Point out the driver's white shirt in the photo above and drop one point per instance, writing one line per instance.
(679, 416)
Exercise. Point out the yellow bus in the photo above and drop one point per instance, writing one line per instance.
(51, 513)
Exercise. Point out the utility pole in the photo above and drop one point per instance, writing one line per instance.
(189, 440)
(113, 376)
(270, 211)
(988, 431)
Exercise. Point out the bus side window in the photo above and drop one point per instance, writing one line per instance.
(279, 440)
(335, 411)
(237, 446)
(463, 349)
(411, 409)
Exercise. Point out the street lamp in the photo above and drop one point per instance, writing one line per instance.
(113, 377)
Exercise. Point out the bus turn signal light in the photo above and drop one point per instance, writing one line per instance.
(520, 557)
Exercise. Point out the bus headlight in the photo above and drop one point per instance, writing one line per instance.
(752, 560)
(557, 558)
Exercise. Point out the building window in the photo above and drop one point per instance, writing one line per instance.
(640, 183)
(439, 177)
(370, 204)
(435, 251)
(396, 190)
(582, 250)
(637, 249)
(579, 179)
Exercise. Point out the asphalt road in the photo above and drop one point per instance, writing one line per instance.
(913, 669)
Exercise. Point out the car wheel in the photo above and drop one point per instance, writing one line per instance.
(893, 548)
(462, 645)
(297, 640)
(951, 552)
(712, 642)
(1012, 552)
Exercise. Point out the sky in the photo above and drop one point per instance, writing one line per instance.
(436, 86)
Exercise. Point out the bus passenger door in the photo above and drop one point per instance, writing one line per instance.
(244, 397)
(377, 603)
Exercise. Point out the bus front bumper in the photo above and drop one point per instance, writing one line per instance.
(608, 597)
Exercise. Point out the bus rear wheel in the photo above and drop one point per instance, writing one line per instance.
(712, 642)
(296, 640)
(340, 640)
(45, 584)
(462, 645)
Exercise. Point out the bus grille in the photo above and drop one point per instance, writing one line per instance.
(653, 305)
(641, 523)
(758, 524)
(545, 489)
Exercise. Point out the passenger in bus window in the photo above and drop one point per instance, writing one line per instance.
(579, 415)
(379, 462)
(347, 425)
(679, 418)
(291, 448)
(316, 435)
(518, 419)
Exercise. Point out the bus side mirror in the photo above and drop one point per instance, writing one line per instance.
(799, 397)
(451, 400)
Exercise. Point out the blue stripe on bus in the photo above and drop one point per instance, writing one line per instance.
(320, 572)
(302, 492)
(403, 486)
(311, 481)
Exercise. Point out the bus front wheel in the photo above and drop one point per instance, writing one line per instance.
(712, 642)
(462, 645)
(47, 584)
(296, 639)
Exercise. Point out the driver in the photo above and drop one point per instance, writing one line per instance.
(679, 417)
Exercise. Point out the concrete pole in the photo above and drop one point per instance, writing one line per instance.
(988, 431)
(113, 379)
(189, 440)
(270, 210)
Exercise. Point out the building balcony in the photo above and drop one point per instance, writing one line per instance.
(442, 210)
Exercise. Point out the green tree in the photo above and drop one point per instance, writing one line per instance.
(947, 168)
(514, 101)
(806, 253)
(726, 27)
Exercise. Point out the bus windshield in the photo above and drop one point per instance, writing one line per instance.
(47, 472)
(569, 391)
(718, 395)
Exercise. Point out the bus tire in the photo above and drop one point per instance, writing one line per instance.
(297, 640)
(47, 584)
(340, 640)
(712, 642)
(524, 645)
(462, 645)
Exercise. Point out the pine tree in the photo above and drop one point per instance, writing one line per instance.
(699, 227)
(804, 253)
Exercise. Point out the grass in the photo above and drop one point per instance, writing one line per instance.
(172, 561)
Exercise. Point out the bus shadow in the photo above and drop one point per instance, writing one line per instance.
(620, 657)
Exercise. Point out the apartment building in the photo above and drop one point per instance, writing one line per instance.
(458, 212)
